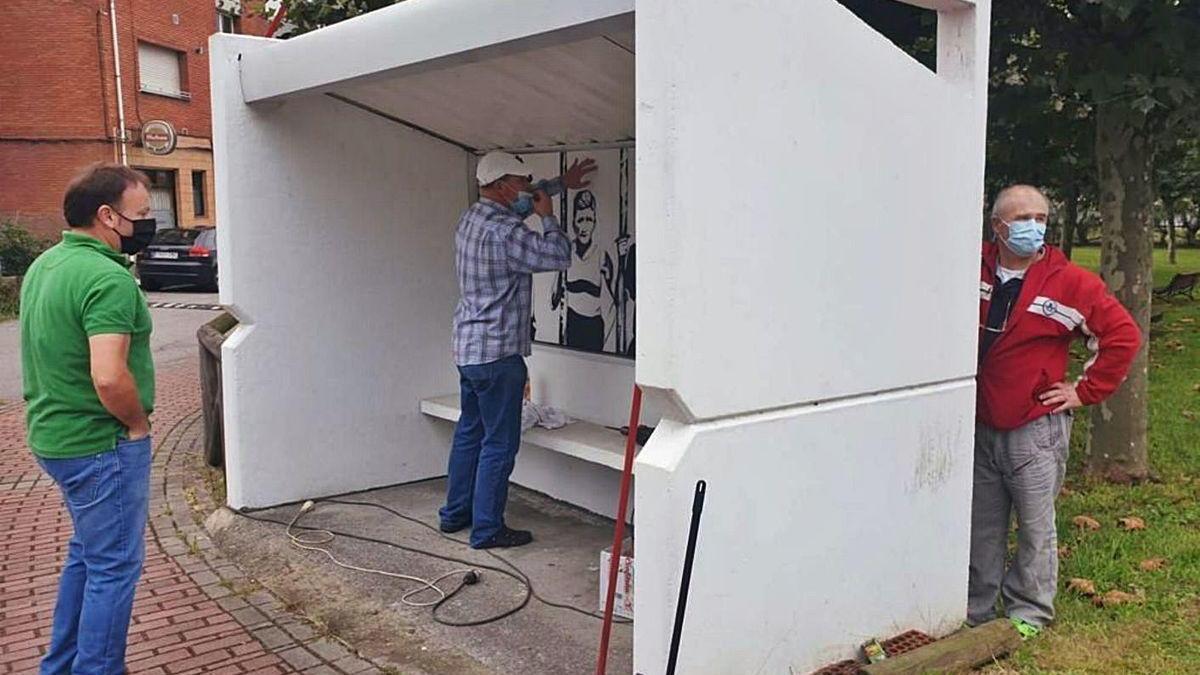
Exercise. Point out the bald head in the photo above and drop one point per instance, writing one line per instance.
(1018, 202)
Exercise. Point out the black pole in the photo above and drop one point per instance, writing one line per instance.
(685, 583)
(562, 276)
(622, 233)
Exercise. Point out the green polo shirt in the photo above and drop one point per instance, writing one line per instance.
(79, 288)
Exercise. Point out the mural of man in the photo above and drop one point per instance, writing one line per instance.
(591, 306)
(586, 287)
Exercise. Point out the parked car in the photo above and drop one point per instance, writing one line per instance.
(179, 257)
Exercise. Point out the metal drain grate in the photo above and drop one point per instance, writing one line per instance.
(906, 642)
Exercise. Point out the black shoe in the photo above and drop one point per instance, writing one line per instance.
(507, 538)
(451, 528)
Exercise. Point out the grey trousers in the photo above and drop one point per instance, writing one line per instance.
(1021, 470)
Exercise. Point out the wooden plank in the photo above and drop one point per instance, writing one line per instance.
(582, 440)
(443, 407)
(963, 650)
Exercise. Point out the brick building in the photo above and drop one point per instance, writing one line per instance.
(59, 109)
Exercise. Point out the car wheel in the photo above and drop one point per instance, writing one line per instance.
(214, 285)
(150, 284)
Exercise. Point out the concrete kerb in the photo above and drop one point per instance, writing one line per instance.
(176, 508)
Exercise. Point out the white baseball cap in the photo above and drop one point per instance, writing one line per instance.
(496, 165)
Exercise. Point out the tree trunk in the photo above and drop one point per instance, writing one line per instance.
(1170, 233)
(1072, 219)
(1117, 448)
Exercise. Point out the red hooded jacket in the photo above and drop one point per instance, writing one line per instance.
(1059, 301)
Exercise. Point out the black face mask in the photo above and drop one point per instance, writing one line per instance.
(143, 232)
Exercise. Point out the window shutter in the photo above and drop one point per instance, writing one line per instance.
(159, 68)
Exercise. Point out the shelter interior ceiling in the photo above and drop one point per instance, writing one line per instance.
(578, 93)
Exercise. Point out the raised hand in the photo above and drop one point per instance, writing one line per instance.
(576, 177)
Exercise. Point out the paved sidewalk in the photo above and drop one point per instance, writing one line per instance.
(195, 611)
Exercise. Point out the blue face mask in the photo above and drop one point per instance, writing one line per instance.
(1025, 237)
(523, 204)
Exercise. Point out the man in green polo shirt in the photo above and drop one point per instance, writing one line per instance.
(89, 388)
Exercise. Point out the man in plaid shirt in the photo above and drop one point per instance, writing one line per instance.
(496, 255)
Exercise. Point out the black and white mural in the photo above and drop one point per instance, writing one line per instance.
(591, 305)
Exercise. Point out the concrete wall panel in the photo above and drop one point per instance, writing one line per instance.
(337, 255)
(811, 200)
(823, 526)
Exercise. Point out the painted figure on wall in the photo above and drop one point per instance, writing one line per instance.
(586, 288)
(590, 305)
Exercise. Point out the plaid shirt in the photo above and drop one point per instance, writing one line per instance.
(496, 255)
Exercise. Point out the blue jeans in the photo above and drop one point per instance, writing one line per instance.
(485, 446)
(108, 497)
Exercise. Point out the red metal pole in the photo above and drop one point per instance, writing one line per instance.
(635, 414)
(276, 20)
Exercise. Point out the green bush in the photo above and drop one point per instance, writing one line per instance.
(18, 248)
(10, 297)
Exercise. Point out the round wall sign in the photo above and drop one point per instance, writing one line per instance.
(158, 137)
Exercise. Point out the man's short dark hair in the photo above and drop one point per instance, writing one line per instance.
(584, 199)
(95, 186)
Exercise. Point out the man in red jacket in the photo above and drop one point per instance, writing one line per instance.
(1032, 304)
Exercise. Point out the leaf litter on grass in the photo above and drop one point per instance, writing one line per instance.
(1132, 523)
(1152, 564)
(1084, 587)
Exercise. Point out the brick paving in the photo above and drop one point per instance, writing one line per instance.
(195, 611)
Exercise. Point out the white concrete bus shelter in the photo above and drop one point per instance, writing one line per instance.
(808, 200)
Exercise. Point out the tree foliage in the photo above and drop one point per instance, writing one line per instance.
(1126, 70)
(18, 248)
(1055, 63)
(304, 16)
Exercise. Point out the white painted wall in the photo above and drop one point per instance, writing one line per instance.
(810, 204)
(593, 487)
(823, 526)
(594, 387)
(809, 210)
(337, 257)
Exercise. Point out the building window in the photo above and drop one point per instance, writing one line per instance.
(162, 196)
(198, 206)
(161, 70)
(227, 23)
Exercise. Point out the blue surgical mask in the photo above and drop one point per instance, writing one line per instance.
(523, 204)
(1025, 237)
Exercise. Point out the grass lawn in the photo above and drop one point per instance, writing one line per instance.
(1161, 633)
